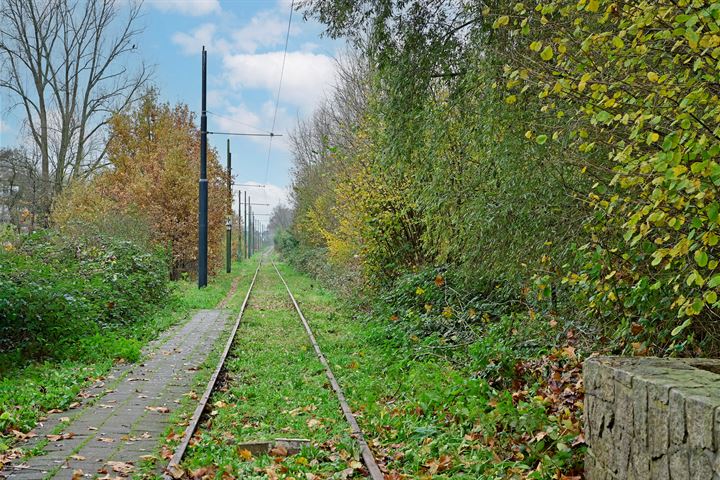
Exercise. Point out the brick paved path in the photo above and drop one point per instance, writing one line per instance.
(131, 409)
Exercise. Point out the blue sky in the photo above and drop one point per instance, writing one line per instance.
(245, 41)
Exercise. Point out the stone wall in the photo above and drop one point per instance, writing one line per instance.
(652, 418)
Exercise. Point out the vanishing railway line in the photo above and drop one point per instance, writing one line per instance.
(174, 469)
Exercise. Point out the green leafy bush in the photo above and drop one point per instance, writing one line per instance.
(55, 289)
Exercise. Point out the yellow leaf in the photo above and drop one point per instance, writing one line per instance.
(652, 76)
(547, 53)
(502, 21)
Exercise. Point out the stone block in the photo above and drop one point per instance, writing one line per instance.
(700, 416)
(659, 468)
(676, 411)
(701, 463)
(652, 418)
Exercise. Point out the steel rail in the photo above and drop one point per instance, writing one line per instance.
(195, 420)
(357, 433)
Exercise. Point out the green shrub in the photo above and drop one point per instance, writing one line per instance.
(55, 289)
(285, 241)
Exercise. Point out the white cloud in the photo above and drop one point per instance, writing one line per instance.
(266, 29)
(306, 79)
(4, 127)
(237, 118)
(204, 35)
(309, 47)
(271, 194)
(194, 8)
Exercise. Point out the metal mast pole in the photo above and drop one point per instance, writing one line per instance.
(244, 225)
(228, 235)
(203, 200)
(240, 235)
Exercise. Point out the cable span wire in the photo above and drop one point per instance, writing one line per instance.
(241, 123)
(277, 97)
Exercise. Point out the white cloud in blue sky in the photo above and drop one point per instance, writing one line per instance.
(245, 41)
(186, 7)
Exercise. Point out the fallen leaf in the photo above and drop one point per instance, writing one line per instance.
(79, 458)
(158, 409)
(246, 455)
(166, 453)
(438, 465)
(199, 472)
(22, 436)
(77, 474)
(106, 439)
(175, 471)
(121, 467)
(279, 451)
(314, 423)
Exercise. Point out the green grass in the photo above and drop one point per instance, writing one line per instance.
(29, 390)
(277, 389)
(426, 411)
(429, 410)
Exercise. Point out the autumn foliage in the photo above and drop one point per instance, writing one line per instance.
(154, 152)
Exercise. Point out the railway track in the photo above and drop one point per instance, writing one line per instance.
(174, 470)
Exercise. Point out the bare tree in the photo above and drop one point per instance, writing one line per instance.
(281, 218)
(317, 144)
(19, 188)
(66, 64)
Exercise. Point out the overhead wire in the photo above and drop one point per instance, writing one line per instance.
(277, 97)
(241, 123)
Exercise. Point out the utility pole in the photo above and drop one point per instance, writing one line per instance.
(228, 235)
(247, 227)
(240, 235)
(244, 225)
(203, 200)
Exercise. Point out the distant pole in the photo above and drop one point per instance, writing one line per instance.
(203, 200)
(239, 225)
(245, 222)
(248, 210)
(228, 235)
